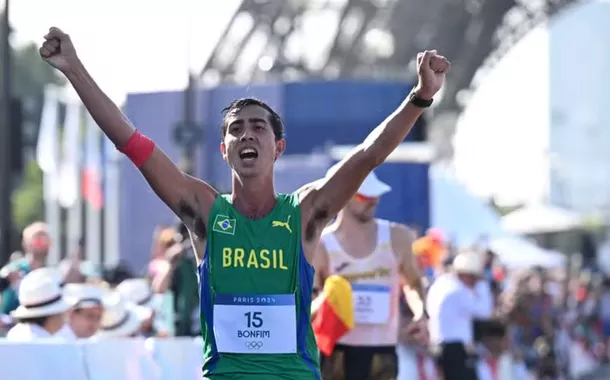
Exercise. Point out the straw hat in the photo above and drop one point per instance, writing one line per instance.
(138, 291)
(40, 295)
(83, 296)
(120, 319)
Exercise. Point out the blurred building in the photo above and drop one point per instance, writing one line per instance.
(579, 138)
(273, 40)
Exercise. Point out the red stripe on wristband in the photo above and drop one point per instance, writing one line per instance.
(138, 149)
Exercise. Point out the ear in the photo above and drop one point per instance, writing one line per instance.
(280, 147)
(223, 150)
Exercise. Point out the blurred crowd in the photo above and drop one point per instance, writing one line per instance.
(545, 323)
(76, 299)
(551, 323)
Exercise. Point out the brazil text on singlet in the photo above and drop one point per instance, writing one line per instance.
(255, 287)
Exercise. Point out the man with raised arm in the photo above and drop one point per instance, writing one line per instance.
(254, 247)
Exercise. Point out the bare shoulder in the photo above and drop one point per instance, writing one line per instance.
(402, 233)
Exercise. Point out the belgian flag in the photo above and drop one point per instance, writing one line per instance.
(334, 315)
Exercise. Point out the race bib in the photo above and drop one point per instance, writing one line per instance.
(255, 324)
(371, 304)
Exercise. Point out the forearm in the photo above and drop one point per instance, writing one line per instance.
(106, 114)
(391, 132)
(415, 299)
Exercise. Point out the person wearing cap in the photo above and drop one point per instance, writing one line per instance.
(121, 318)
(36, 244)
(455, 300)
(375, 256)
(42, 308)
(86, 308)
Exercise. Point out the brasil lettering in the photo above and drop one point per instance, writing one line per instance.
(263, 259)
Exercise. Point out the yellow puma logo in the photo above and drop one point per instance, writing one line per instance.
(286, 224)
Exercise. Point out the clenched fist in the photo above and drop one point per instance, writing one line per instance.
(58, 51)
(431, 69)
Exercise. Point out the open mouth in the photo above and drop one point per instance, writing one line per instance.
(248, 154)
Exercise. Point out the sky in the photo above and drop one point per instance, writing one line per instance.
(148, 45)
(130, 45)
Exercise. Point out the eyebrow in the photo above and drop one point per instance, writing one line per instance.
(251, 120)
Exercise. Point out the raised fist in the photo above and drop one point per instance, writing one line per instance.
(58, 51)
(431, 69)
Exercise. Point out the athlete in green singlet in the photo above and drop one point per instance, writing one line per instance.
(254, 247)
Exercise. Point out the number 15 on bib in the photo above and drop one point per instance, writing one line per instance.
(255, 324)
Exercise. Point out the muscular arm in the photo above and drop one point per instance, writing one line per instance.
(326, 198)
(333, 193)
(188, 197)
(402, 241)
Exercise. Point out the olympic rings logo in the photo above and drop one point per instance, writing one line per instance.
(254, 345)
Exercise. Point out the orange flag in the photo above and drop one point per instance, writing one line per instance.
(335, 315)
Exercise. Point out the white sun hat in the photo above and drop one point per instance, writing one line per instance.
(371, 187)
(83, 296)
(54, 273)
(40, 295)
(468, 262)
(120, 320)
(138, 292)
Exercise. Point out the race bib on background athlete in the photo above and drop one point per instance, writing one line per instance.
(255, 324)
(371, 303)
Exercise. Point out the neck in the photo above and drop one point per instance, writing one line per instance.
(345, 222)
(34, 263)
(253, 197)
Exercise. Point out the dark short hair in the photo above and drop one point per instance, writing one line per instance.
(237, 105)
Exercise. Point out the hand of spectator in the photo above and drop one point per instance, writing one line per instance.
(415, 332)
(173, 252)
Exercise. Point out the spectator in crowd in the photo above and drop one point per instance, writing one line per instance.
(178, 274)
(42, 309)
(163, 239)
(117, 274)
(138, 292)
(36, 244)
(75, 268)
(454, 301)
(121, 319)
(85, 314)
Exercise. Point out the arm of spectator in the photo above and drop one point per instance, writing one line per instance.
(479, 301)
(163, 278)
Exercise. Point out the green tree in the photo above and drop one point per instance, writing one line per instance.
(31, 74)
(28, 203)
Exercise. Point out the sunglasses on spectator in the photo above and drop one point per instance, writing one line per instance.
(364, 198)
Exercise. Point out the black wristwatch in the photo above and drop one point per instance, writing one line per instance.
(419, 102)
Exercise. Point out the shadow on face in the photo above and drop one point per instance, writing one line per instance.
(250, 145)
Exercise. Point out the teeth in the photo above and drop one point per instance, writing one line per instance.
(248, 150)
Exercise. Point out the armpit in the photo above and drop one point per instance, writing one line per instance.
(192, 218)
(319, 217)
